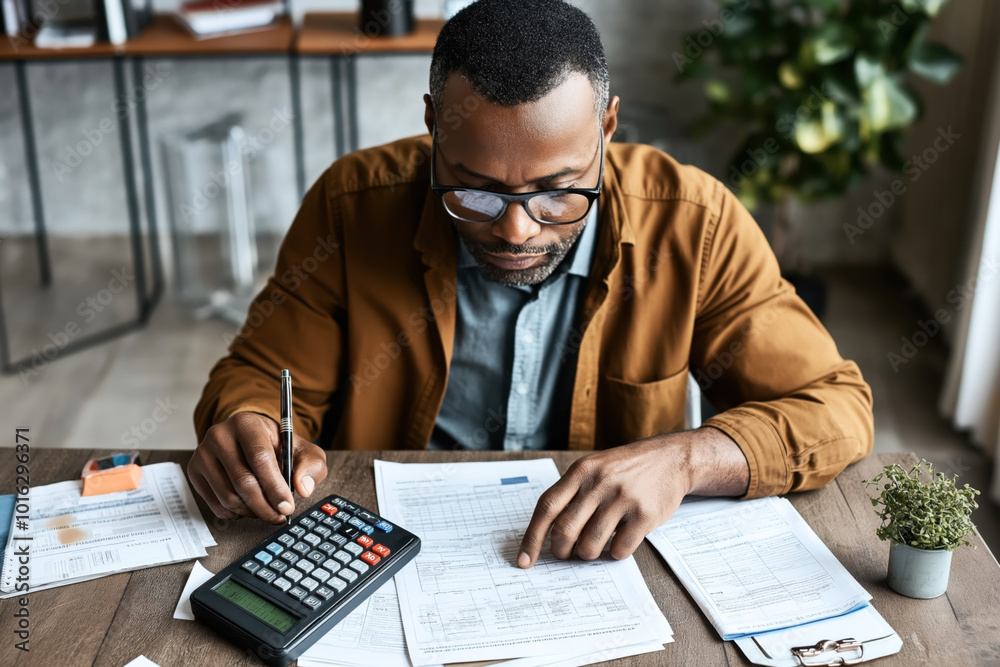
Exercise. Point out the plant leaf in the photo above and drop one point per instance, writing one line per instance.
(829, 43)
(888, 106)
(935, 62)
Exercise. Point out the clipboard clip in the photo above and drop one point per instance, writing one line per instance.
(827, 645)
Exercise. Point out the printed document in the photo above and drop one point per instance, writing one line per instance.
(72, 538)
(755, 565)
(464, 599)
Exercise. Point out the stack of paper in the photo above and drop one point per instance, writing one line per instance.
(464, 598)
(764, 579)
(71, 538)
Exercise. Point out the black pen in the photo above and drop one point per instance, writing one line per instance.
(286, 432)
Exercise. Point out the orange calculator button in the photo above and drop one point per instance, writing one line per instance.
(365, 541)
(330, 509)
(381, 550)
(370, 558)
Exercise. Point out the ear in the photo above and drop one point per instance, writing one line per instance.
(428, 114)
(611, 118)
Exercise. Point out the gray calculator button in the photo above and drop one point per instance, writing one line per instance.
(349, 575)
(338, 584)
(322, 531)
(324, 592)
(312, 539)
(333, 523)
(251, 566)
(316, 514)
(355, 549)
(287, 540)
(307, 522)
(282, 583)
(279, 566)
(331, 565)
(339, 540)
(339, 502)
(290, 557)
(317, 556)
(266, 574)
(297, 531)
(343, 516)
(368, 516)
(293, 574)
(312, 602)
(360, 566)
(302, 547)
(297, 593)
(309, 584)
(343, 557)
(305, 565)
(319, 574)
(327, 548)
(353, 509)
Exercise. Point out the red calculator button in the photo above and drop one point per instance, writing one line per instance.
(365, 541)
(381, 550)
(370, 558)
(330, 509)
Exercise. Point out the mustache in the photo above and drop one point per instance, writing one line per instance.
(511, 249)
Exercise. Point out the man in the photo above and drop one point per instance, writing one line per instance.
(516, 281)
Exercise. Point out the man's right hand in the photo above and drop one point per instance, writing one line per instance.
(236, 470)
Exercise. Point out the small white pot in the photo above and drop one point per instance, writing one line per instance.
(918, 573)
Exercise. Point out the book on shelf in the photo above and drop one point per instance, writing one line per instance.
(119, 20)
(215, 17)
(66, 33)
(17, 16)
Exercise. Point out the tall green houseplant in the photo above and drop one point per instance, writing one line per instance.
(820, 85)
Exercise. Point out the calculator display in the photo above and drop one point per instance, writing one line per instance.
(256, 605)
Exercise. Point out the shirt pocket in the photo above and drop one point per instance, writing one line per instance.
(630, 411)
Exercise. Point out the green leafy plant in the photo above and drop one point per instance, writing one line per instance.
(923, 508)
(821, 85)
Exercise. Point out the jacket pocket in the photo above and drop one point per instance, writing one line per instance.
(629, 411)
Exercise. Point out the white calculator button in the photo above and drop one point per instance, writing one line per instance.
(319, 574)
(309, 584)
(331, 565)
(348, 575)
(293, 574)
(360, 566)
(343, 557)
(355, 549)
(338, 584)
(305, 565)
(282, 583)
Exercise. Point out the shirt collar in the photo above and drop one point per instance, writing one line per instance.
(580, 257)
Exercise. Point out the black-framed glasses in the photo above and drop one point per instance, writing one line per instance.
(547, 207)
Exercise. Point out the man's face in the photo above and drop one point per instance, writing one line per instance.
(551, 144)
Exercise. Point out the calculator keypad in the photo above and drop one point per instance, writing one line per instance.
(322, 554)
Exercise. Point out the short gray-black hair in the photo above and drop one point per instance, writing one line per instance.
(517, 51)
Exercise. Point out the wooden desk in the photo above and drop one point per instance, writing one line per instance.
(110, 621)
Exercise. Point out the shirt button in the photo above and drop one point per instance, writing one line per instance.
(522, 389)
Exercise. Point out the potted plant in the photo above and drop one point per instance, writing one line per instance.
(926, 517)
(820, 90)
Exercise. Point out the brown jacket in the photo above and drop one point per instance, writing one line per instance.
(361, 308)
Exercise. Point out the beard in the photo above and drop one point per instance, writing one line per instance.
(554, 253)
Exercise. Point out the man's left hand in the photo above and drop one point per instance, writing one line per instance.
(630, 490)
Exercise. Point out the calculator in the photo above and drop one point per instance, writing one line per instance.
(283, 595)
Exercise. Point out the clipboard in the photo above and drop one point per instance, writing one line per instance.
(851, 639)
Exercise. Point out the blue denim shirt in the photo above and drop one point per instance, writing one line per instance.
(510, 381)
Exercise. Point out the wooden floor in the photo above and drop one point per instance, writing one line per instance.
(105, 397)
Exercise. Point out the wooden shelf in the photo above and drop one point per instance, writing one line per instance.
(339, 33)
(164, 37)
